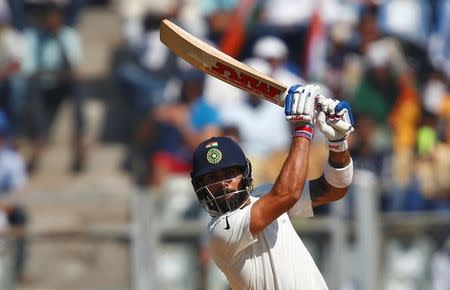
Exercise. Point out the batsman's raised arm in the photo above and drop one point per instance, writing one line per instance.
(250, 235)
(299, 110)
(335, 121)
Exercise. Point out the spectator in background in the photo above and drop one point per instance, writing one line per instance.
(20, 8)
(145, 73)
(181, 127)
(368, 29)
(51, 62)
(378, 90)
(370, 159)
(275, 52)
(12, 180)
(242, 115)
(218, 14)
(74, 9)
(11, 82)
(288, 20)
(433, 164)
(414, 28)
(339, 61)
(269, 49)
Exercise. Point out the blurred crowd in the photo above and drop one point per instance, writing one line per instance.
(389, 59)
(393, 70)
(40, 56)
(40, 51)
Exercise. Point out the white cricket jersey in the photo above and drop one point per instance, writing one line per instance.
(276, 259)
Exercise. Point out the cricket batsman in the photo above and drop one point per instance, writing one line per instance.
(251, 237)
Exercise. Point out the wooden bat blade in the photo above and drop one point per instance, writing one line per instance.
(220, 65)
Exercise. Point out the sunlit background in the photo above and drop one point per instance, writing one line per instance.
(98, 121)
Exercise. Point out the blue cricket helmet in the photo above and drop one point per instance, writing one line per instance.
(215, 154)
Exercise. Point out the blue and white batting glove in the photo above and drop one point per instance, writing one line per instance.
(299, 108)
(335, 121)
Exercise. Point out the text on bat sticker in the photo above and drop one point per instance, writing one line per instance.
(244, 80)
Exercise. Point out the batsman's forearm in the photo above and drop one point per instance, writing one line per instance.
(321, 191)
(339, 159)
(292, 177)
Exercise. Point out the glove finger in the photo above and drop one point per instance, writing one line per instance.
(344, 109)
(327, 105)
(306, 104)
(309, 105)
(301, 100)
(324, 127)
(295, 100)
(346, 117)
(288, 104)
(341, 125)
(319, 100)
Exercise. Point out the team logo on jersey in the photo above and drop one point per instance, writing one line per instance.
(214, 156)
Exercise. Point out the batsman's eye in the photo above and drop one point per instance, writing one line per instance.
(233, 172)
(209, 178)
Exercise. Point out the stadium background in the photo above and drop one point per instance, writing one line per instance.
(109, 206)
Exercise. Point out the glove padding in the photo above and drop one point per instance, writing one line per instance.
(299, 104)
(299, 109)
(334, 118)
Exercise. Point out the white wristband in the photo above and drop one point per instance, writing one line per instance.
(339, 146)
(339, 177)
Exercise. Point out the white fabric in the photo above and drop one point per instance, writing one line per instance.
(440, 267)
(156, 54)
(257, 127)
(339, 177)
(288, 78)
(302, 209)
(410, 27)
(51, 58)
(12, 171)
(433, 96)
(259, 64)
(221, 94)
(11, 46)
(274, 259)
(270, 47)
(288, 12)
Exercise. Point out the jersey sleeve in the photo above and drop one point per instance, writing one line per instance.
(303, 207)
(231, 234)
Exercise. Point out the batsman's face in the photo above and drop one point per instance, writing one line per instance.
(223, 181)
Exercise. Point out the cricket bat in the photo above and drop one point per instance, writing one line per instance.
(220, 65)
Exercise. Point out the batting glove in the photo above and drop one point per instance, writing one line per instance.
(335, 121)
(299, 107)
